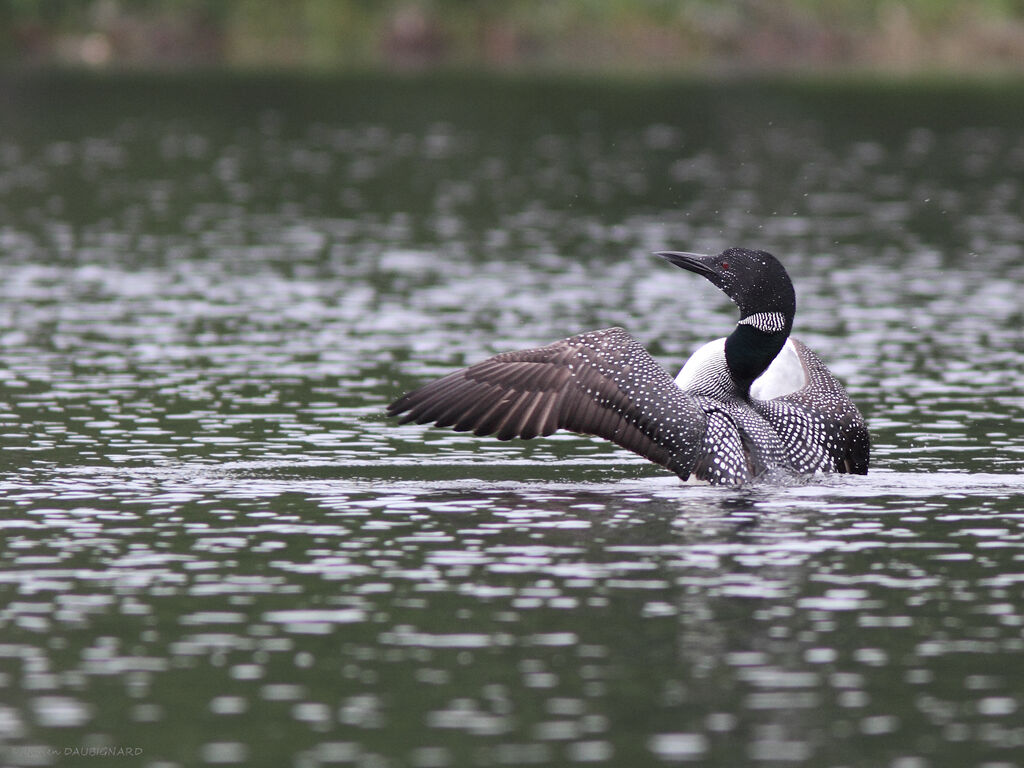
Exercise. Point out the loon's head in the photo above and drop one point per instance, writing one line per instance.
(759, 285)
(754, 280)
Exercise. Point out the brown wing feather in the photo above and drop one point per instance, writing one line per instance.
(601, 383)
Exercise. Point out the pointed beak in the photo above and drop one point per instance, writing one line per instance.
(694, 262)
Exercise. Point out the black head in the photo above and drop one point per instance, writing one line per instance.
(759, 285)
(755, 280)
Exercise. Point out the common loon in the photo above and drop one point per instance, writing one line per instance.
(747, 404)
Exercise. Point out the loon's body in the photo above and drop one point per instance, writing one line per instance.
(755, 401)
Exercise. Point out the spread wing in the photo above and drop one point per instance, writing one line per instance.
(819, 422)
(601, 383)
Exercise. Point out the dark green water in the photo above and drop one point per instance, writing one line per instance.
(217, 551)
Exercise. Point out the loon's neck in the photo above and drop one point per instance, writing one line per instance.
(750, 349)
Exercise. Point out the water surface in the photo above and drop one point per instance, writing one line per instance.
(217, 551)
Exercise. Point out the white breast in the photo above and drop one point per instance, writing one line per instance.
(707, 373)
(784, 376)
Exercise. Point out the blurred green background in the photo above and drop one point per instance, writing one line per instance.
(603, 36)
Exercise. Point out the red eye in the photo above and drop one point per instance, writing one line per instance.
(725, 265)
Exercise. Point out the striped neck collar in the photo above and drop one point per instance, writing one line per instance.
(767, 322)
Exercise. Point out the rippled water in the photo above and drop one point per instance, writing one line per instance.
(216, 550)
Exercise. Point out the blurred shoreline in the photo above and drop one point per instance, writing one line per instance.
(602, 37)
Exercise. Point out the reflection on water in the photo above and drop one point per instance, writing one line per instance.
(512, 622)
(218, 551)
